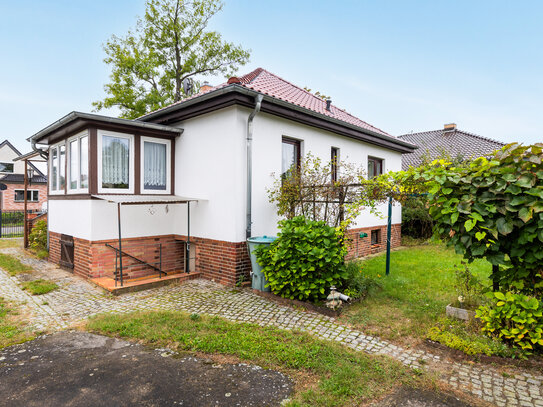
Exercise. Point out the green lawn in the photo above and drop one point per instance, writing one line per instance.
(11, 327)
(327, 374)
(413, 297)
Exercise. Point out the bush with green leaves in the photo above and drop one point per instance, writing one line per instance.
(305, 260)
(37, 239)
(416, 220)
(358, 284)
(493, 209)
(516, 319)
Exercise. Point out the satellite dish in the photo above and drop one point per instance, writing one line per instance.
(188, 85)
(3, 187)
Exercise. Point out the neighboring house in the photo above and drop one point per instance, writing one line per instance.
(449, 141)
(189, 161)
(12, 175)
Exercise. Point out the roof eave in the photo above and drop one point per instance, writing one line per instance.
(73, 116)
(406, 146)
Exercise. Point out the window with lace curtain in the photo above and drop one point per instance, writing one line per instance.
(155, 176)
(116, 162)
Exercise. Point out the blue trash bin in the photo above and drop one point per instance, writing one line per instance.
(259, 280)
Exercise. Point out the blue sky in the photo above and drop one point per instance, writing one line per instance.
(401, 66)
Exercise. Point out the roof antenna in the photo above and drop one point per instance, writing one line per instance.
(328, 104)
(188, 85)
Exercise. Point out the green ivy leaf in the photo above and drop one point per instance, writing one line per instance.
(505, 226)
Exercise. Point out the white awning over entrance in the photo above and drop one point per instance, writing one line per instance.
(146, 199)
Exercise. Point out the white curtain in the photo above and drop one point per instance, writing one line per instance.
(289, 157)
(154, 165)
(115, 162)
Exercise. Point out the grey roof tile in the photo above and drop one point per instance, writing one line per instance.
(456, 143)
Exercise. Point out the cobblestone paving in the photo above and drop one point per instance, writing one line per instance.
(77, 299)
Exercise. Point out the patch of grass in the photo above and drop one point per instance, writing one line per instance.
(413, 297)
(7, 243)
(42, 254)
(345, 377)
(39, 286)
(11, 329)
(458, 335)
(12, 265)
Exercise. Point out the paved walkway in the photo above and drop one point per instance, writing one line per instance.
(77, 299)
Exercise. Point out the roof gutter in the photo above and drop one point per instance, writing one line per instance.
(243, 90)
(105, 119)
(249, 142)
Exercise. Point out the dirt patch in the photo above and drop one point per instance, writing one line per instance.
(534, 364)
(82, 369)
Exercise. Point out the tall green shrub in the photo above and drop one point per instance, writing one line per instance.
(416, 219)
(493, 209)
(305, 260)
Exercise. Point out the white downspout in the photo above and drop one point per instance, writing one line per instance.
(258, 101)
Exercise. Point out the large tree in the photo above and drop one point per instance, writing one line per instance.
(170, 43)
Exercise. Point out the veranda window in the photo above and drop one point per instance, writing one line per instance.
(62, 168)
(79, 163)
(155, 165)
(115, 162)
(54, 168)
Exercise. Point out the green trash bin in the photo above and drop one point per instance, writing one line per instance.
(259, 280)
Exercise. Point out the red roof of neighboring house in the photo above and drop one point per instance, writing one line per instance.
(272, 85)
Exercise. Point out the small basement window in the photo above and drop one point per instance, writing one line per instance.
(376, 237)
(32, 195)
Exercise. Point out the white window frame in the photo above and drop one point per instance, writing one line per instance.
(23, 191)
(78, 189)
(131, 163)
(8, 172)
(168, 144)
(57, 147)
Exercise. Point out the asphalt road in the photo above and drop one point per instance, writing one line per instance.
(82, 369)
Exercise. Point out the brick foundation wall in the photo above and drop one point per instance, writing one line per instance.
(222, 262)
(360, 247)
(94, 259)
(219, 261)
(8, 197)
(54, 247)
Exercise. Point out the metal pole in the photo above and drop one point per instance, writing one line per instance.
(389, 230)
(120, 244)
(187, 250)
(25, 207)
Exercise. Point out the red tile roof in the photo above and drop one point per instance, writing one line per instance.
(272, 85)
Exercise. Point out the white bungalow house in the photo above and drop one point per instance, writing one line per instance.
(207, 161)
